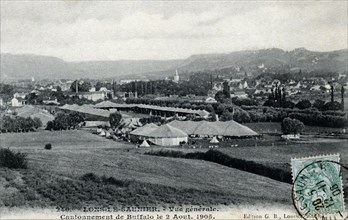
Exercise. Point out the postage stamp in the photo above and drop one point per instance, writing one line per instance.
(317, 188)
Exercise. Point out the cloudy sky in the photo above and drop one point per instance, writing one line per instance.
(109, 30)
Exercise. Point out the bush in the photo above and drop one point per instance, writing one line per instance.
(91, 177)
(11, 159)
(48, 146)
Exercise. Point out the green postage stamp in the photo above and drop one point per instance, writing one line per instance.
(317, 186)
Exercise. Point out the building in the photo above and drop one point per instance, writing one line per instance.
(21, 95)
(176, 77)
(153, 109)
(239, 94)
(51, 101)
(94, 96)
(17, 102)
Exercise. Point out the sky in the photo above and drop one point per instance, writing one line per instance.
(116, 30)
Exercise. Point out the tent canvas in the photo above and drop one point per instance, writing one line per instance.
(142, 131)
(167, 131)
(217, 128)
(188, 127)
(144, 144)
(214, 140)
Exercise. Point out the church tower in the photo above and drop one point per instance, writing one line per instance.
(176, 76)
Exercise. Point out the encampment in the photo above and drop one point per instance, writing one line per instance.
(164, 135)
(217, 128)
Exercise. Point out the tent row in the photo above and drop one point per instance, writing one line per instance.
(177, 132)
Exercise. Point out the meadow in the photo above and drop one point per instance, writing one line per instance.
(55, 177)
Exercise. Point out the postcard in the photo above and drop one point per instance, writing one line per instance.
(174, 110)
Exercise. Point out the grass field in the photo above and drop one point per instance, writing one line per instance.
(153, 180)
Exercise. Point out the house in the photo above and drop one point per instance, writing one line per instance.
(17, 102)
(103, 89)
(240, 94)
(51, 102)
(20, 95)
(176, 77)
(1, 101)
(243, 85)
(200, 99)
(94, 96)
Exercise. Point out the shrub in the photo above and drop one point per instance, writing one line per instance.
(91, 177)
(48, 146)
(11, 159)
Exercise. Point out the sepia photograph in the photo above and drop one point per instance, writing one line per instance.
(178, 110)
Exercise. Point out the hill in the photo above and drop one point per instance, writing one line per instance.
(137, 179)
(273, 60)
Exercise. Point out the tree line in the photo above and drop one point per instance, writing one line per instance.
(19, 124)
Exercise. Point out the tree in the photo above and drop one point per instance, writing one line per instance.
(332, 92)
(61, 122)
(226, 116)
(81, 86)
(13, 159)
(75, 118)
(292, 126)
(319, 104)
(303, 104)
(115, 119)
(333, 106)
(226, 89)
(6, 89)
(288, 104)
(342, 97)
(37, 123)
(241, 116)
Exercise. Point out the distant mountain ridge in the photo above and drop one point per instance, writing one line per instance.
(14, 67)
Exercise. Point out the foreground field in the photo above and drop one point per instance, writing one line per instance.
(135, 178)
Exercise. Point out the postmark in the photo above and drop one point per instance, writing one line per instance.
(317, 186)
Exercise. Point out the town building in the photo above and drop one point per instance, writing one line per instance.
(21, 95)
(17, 102)
(176, 77)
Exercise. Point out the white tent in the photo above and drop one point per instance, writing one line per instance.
(216, 128)
(214, 140)
(144, 144)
